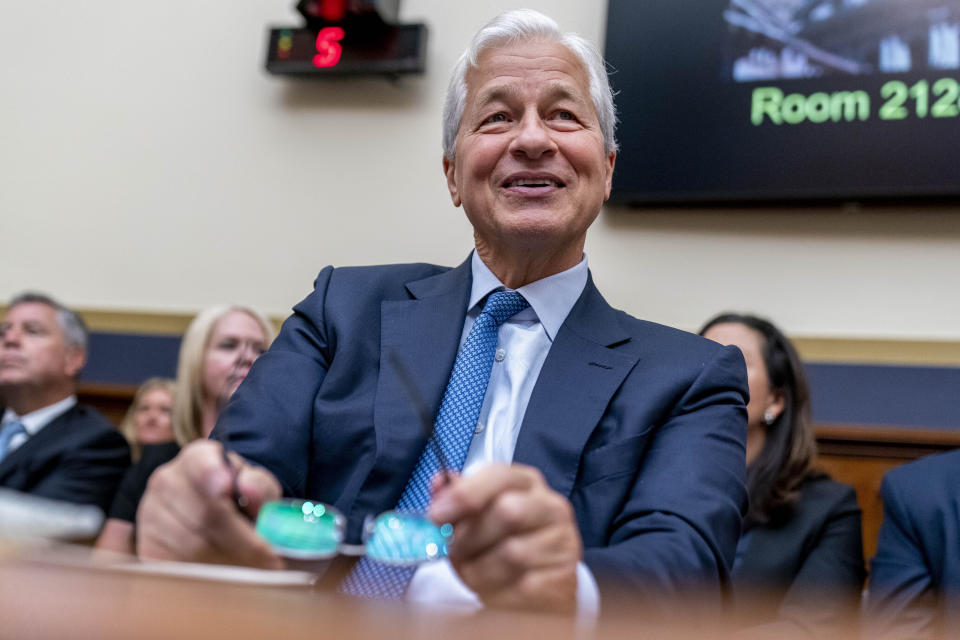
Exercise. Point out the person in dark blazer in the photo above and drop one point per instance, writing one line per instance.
(799, 567)
(914, 588)
(607, 455)
(50, 446)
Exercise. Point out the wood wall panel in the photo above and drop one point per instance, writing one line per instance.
(112, 400)
(860, 455)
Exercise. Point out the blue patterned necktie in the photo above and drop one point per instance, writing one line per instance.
(453, 432)
(7, 434)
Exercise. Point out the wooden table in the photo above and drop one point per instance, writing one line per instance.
(53, 593)
(46, 596)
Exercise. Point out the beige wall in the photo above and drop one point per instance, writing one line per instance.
(149, 163)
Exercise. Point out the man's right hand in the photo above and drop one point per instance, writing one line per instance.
(188, 512)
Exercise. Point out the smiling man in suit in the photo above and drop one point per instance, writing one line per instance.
(597, 452)
(49, 445)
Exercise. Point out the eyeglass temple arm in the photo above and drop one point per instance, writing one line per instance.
(224, 438)
(423, 410)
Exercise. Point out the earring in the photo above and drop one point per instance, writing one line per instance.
(769, 417)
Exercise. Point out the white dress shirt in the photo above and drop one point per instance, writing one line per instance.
(34, 421)
(522, 346)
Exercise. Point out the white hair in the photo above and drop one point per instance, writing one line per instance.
(523, 25)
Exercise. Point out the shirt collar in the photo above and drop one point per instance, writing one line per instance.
(36, 420)
(551, 298)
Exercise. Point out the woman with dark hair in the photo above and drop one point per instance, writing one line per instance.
(800, 558)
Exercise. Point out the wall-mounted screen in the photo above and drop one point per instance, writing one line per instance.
(763, 100)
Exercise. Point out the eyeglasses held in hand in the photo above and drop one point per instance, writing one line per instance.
(308, 530)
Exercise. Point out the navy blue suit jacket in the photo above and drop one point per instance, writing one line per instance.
(915, 576)
(641, 426)
(79, 457)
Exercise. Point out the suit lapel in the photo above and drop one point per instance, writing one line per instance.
(581, 373)
(48, 438)
(418, 333)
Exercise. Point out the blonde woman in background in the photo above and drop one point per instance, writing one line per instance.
(216, 353)
(215, 356)
(149, 419)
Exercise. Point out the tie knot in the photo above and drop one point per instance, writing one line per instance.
(502, 305)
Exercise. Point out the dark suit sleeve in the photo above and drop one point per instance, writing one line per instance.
(269, 419)
(679, 526)
(827, 587)
(89, 471)
(901, 596)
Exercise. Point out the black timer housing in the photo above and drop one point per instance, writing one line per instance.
(347, 37)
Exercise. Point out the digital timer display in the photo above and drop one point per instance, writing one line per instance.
(338, 50)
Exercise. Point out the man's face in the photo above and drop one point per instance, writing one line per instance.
(530, 163)
(33, 351)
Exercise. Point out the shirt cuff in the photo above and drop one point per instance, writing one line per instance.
(437, 585)
(588, 596)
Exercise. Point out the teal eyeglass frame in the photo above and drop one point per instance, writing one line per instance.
(308, 530)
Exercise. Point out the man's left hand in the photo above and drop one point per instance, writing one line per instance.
(516, 543)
